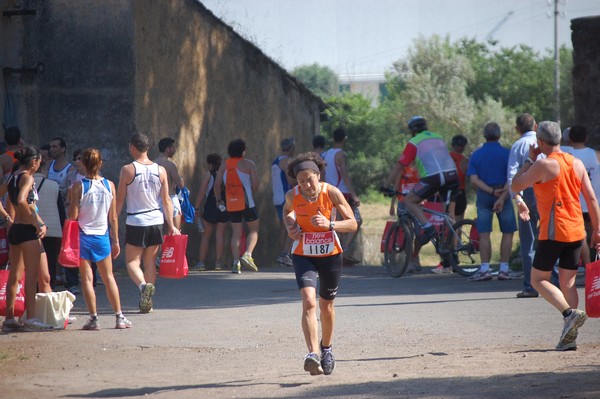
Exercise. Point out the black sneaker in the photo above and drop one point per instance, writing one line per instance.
(427, 234)
(327, 361)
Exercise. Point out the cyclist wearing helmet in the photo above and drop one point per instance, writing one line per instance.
(436, 168)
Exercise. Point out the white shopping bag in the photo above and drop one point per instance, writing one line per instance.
(53, 308)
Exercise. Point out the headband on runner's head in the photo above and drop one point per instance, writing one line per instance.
(306, 165)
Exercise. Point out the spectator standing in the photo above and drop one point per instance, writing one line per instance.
(59, 171)
(525, 200)
(557, 181)
(282, 182)
(591, 161)
(52, 211)
(459, 144)
(240, 178)
(487, 172)
(337, 174)
(24, 240)
(143, 184)
(318, 143)
(214, 219)
(317, 251)
(93, 206)
(167, 149)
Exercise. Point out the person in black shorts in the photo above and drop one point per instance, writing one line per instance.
(309, 215)
(214, 219)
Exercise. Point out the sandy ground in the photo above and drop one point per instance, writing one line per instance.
(218, 335)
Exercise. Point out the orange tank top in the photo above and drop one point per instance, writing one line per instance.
(458, 158)
(235, 196)
(558, 203)
(410, 177)
(315, 242)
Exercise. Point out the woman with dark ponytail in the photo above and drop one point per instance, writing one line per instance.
(24, 238)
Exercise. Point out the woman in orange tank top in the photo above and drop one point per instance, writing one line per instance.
(310, 218)
(557, 181)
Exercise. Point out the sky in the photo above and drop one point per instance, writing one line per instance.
(357, 37)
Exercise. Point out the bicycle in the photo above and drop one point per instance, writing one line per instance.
(456, 242)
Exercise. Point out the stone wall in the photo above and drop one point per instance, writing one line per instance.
(586, 75)
(167, 68)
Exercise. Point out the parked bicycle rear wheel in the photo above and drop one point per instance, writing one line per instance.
(464, 248)
(398, 248)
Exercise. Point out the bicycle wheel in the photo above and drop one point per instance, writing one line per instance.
(398, 248)
(463, 248)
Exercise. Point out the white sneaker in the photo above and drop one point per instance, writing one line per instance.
(441, 270)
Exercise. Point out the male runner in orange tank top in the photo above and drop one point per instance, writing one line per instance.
(557, 181)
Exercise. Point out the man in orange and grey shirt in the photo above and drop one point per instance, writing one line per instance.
(557, 181)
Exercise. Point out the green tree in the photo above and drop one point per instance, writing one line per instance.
(321, 80)
(374, 138)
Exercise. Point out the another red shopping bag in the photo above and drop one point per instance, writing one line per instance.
(592, 289)
(69, 248)
(173, 262)
(19, 299)
(437, 221)
(399, 237)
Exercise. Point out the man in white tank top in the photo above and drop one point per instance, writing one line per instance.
(336, 174)
(591, 161)
(143, 185)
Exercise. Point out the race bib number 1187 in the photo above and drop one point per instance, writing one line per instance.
(318, 244)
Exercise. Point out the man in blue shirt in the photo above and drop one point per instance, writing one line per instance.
(487, 171)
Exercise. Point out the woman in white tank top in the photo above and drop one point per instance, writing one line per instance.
(93, 205)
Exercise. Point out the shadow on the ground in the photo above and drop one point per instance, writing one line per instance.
(582, 383)
(278, 285)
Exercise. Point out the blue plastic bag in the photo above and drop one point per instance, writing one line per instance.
(189, 213)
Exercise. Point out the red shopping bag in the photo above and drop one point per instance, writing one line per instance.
(173, 262)
(592, 289)
(399, 237)
(437, 221)
(69, 248)
(3, 247)
(19, 299)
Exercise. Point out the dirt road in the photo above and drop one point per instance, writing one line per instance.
(219, 335)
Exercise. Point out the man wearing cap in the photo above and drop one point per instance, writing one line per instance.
(487, 172)
(282, 182)
(437, 172)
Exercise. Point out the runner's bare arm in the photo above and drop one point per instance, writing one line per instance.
(75, 192)
(113, 221)
(166, 202)
(347, 224)
(219, 182)
(125, 177)
(341, 162)
(203, 190)
(294, 231)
